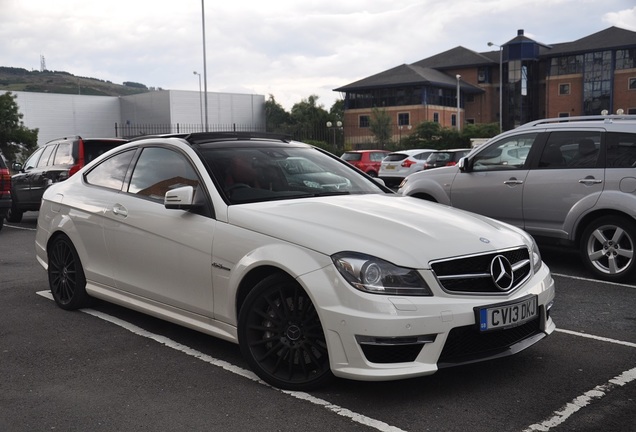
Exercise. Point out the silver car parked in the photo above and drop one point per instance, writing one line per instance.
(572, 180)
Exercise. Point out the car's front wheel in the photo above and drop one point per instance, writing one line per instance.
(281, 337)
(607, 248)
(66, 275)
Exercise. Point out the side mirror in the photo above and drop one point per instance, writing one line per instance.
(16, 166)
(463, 164)
(181, 198)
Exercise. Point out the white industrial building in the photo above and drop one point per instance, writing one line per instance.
(163, 111)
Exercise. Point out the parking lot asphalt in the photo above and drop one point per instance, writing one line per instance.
(108, 368)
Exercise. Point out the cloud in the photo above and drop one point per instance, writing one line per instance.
(287, 48)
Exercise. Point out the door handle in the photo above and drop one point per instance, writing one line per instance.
(120, 210)
(513, 181)
(588, 181)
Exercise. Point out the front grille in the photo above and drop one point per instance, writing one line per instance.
(472, 274)
(465, 344)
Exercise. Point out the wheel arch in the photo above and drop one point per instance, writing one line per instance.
(592, 216)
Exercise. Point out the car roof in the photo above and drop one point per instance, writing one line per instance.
(367, 151)
(228, 139)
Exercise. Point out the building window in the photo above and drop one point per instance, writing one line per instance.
(626, 59)
(564, 114)
(566, 65)
(632, 83)
(364, 121)
(453, 120)
(631, 111)
(436, 117)
(482, 75)
(403, 119)
(597, 82)
(564, 89)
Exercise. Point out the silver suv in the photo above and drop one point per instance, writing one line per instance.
(567, 179)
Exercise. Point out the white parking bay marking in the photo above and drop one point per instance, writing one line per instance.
(590, 396)
(358, 418)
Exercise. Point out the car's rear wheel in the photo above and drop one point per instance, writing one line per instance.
(14, 214)
(66, 275)
(607, 248)
(281, 337)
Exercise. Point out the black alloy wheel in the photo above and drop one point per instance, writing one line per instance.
(66, 275)
(608, 246)
(281, 337)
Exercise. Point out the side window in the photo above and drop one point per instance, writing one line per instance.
(576, 149)
(32, 161)
(63, 154)
(621, 150)
(111, 172)
(158, 170)
(46, 155)
(507, 154)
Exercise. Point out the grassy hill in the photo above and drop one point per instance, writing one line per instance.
(18, 79)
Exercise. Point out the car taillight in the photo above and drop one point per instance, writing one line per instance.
(5, 181)
(407, 163)
(451, 163)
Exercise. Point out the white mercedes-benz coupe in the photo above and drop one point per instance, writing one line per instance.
(224, 233)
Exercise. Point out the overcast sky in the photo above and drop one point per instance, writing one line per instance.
(290, 49)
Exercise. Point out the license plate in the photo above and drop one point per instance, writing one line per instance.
(506, 315)
(390, 167)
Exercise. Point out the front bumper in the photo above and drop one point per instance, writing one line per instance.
(374, 337)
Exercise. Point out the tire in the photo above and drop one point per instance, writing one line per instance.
(607, 248)
(13, 214)
(66, 275)
(281, 337)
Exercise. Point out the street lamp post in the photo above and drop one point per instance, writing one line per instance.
(205, 70)
(200, 98)
(334, 128)
(500, 84)
(459, 127)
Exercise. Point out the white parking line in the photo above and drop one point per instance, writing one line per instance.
(582, 401)
(20, 228)
(594, 280)
(358, 418)
(590, 396)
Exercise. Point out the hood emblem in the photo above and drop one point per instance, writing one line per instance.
(484, 240)
(501, 273)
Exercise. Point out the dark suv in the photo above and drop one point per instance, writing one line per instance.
(5, 190)
(56, 161)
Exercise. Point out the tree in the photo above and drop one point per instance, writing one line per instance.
(276, 118)
(15, 139)
(380, 126)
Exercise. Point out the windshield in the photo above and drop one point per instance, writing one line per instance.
(253, 174)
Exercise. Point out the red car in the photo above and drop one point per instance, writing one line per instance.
(366, 160)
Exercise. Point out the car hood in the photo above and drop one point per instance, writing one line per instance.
(404, 230)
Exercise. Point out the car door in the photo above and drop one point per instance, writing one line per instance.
(21, 189)
(492, 186)
(567, 176)
(158, 254)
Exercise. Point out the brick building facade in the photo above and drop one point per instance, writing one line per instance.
(583, 77)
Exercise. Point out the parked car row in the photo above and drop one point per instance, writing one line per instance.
(392, 168)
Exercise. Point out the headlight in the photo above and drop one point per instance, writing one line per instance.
(373, 275)
(536, 256)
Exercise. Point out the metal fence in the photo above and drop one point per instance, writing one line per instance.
(338, 138)
(132, 130)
